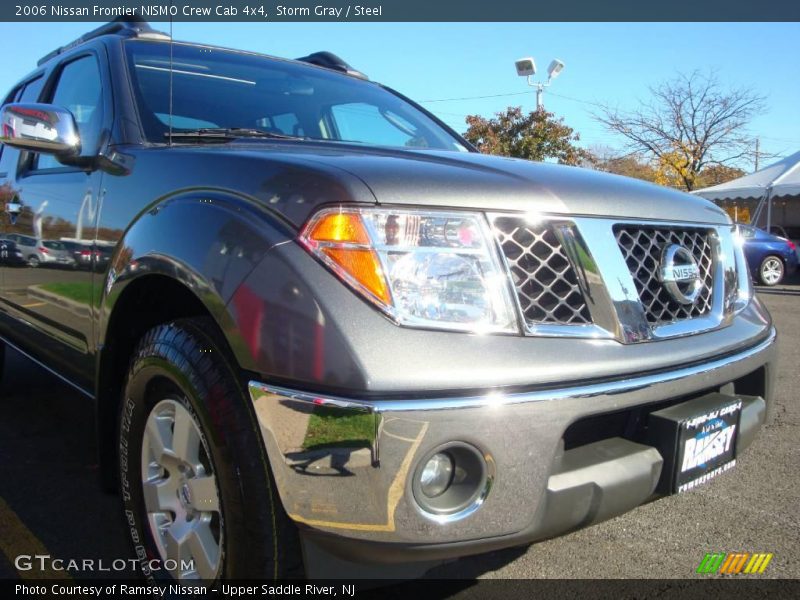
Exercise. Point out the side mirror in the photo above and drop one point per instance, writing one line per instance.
(40, 128)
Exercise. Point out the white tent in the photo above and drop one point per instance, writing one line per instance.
(778, 179)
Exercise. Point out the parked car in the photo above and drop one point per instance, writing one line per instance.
(42, 252)
(57, 254)
(791, 233)
(81, 253)
(25, 244)
(102, 254)
(769, 257)
(333, 329)
(10, 254)
(86, 255)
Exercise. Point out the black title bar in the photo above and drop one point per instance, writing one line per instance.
(707, 588)
(401, 10)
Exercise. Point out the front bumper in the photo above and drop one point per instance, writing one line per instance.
(344, 467)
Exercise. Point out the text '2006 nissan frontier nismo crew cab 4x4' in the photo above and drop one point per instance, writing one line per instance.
(318, 326)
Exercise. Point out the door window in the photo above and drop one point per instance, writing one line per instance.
(79, 90)
(12, 97)
(747, 232)
(9, 159)
(33, 90)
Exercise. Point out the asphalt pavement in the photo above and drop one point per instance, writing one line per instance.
(50, 501)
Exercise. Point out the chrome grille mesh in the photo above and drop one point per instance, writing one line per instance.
(544, 279)
(641, 247)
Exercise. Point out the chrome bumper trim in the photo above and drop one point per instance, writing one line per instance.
(495, 399)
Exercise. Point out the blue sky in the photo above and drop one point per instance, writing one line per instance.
(428, 61)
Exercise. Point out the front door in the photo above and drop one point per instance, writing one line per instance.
(50, 297)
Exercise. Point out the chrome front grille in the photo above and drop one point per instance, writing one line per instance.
(595, 277)
(642, 246)
(544, 279)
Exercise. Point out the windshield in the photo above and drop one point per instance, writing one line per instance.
(215, 88)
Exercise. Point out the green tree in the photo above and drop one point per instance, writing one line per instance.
(537, 135)
(716, 174)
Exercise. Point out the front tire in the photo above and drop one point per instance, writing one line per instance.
(771, 271)
(195, 480)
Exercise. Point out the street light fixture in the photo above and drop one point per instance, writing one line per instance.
(554, 69)
(526, 67)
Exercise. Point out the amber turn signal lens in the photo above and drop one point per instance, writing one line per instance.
(363, 265)
(341, 239)
(339, 227)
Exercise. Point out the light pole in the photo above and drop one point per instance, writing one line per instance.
(526, 67)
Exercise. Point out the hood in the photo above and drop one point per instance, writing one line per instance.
(478, 181)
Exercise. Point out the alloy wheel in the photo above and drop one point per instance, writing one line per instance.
(772, 271)
(180, 493)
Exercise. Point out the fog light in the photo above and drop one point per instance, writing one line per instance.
(451, 481)
(437, 475)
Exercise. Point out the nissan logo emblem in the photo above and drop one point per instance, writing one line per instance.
(679, 274)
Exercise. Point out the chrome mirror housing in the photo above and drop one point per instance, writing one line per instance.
(40, 128)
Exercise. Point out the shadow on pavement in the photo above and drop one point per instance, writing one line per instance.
(48, 470)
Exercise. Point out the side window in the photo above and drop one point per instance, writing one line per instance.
(9, 159)
(748, 232)
(79, 90)
(32, 91)
(11, 97)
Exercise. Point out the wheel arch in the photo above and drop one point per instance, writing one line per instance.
(149, 301)
(182, 257)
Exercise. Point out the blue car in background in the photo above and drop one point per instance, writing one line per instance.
(769, 257)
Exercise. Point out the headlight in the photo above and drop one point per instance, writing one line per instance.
(424, 268)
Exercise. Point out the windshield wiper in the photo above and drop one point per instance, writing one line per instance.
(224, 134)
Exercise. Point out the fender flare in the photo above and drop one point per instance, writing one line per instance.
(207, 242)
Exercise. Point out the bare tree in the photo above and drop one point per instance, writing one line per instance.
(690, 123)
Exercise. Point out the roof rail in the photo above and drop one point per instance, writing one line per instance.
(125, 26)
(330, 61)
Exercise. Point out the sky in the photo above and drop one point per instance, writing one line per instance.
(605, 62)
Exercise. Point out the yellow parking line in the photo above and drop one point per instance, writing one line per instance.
(33, 304)
(396, 489)
(17, 540)
(399, 437)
